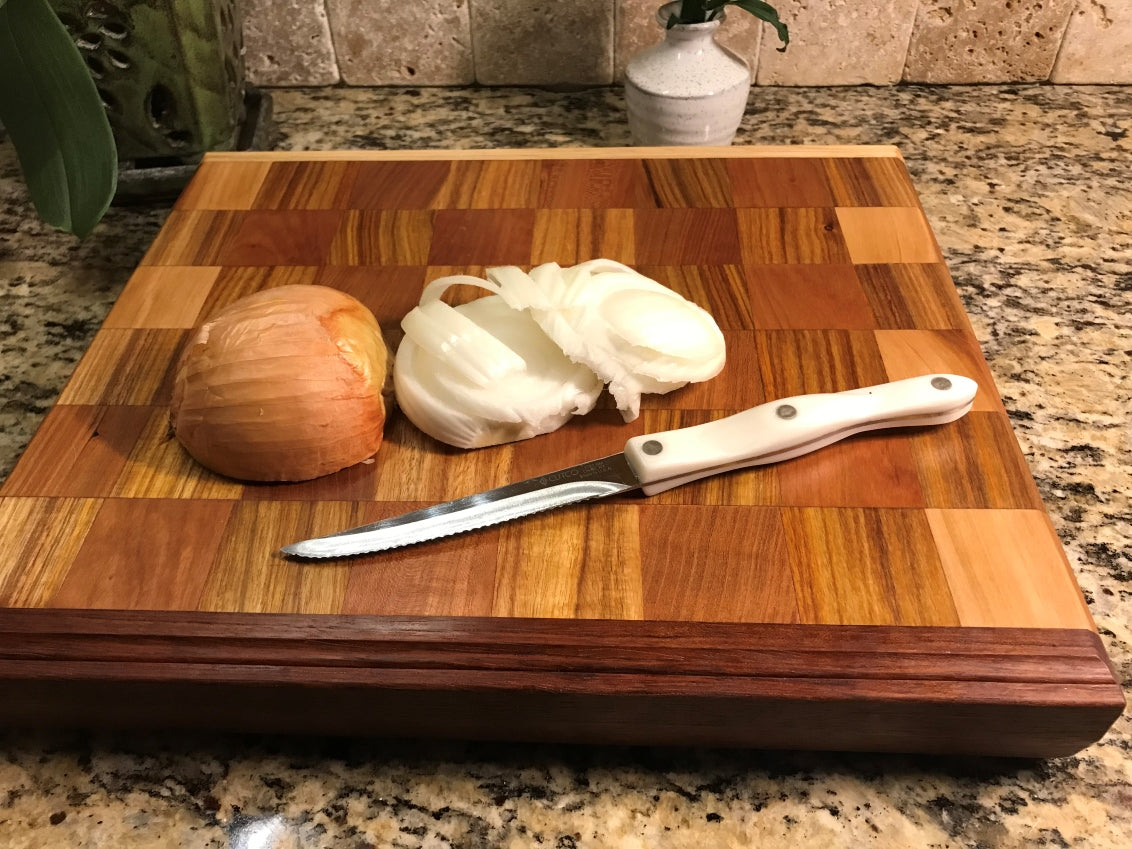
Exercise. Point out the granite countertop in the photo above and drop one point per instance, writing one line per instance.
(1029, 190)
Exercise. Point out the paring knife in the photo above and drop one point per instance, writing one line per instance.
(652, 463)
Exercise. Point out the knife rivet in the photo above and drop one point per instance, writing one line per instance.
(941, 383)
(652, 447)
(785, 411)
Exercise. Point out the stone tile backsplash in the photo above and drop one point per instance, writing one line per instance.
(588, 42)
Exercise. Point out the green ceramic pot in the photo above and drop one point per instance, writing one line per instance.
(169, 71)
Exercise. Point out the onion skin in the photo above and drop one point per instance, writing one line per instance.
(288, 384)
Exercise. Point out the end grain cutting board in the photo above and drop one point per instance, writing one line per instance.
(897, 591)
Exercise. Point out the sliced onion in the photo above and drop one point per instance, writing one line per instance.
(522, 361)
(533, 388)
(636, 334)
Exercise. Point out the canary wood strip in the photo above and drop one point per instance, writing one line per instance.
(250, 575)
(910, 353)
(730, 152)
(887, 234)
(693, 182)
(570, 236)
(913, 296)
(487, 184)
(159, 467)
(855, 566)
(163, 297)
(33, 563)
(127, 367)
(576, 563)
(1007, 569)
(220, 184)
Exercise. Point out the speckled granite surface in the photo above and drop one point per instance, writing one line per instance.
(1029, 190)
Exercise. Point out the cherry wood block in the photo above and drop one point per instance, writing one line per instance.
(605, 184)
(280, 237)
(454, 577)
(482, 237)
(114, 567)
(899, 591)
(80, 450)
(397, 185)
(874, 470)
(745, 574)
(783, 182)
(808, 297)
(686, 236)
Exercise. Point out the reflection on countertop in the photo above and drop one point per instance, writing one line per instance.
(1029, 190)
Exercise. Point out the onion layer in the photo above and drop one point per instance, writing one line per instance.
(283, 385)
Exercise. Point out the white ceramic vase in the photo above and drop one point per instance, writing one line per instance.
(687, 90)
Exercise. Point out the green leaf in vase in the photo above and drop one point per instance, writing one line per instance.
(54, 115)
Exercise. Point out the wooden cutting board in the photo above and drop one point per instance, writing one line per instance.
(903, 590)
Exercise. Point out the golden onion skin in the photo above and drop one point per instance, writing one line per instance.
(288, 384)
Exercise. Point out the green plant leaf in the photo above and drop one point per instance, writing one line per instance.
(55, 118)
(766, 12)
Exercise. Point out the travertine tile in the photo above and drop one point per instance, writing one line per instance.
(637, 29)
(833, 42)
(520, 43)
(1097, 46)
(384, 42)
(288, 42)
(964, 41)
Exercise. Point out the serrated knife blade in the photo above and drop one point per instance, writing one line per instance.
(767, 433)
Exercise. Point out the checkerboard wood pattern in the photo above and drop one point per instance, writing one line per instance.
(819, 266)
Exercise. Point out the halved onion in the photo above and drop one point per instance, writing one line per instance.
(283, 385)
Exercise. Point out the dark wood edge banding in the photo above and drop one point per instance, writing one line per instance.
(995, 691)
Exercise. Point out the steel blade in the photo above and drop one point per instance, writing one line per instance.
(593, 479)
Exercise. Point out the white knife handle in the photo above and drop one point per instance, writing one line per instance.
(794, 426)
